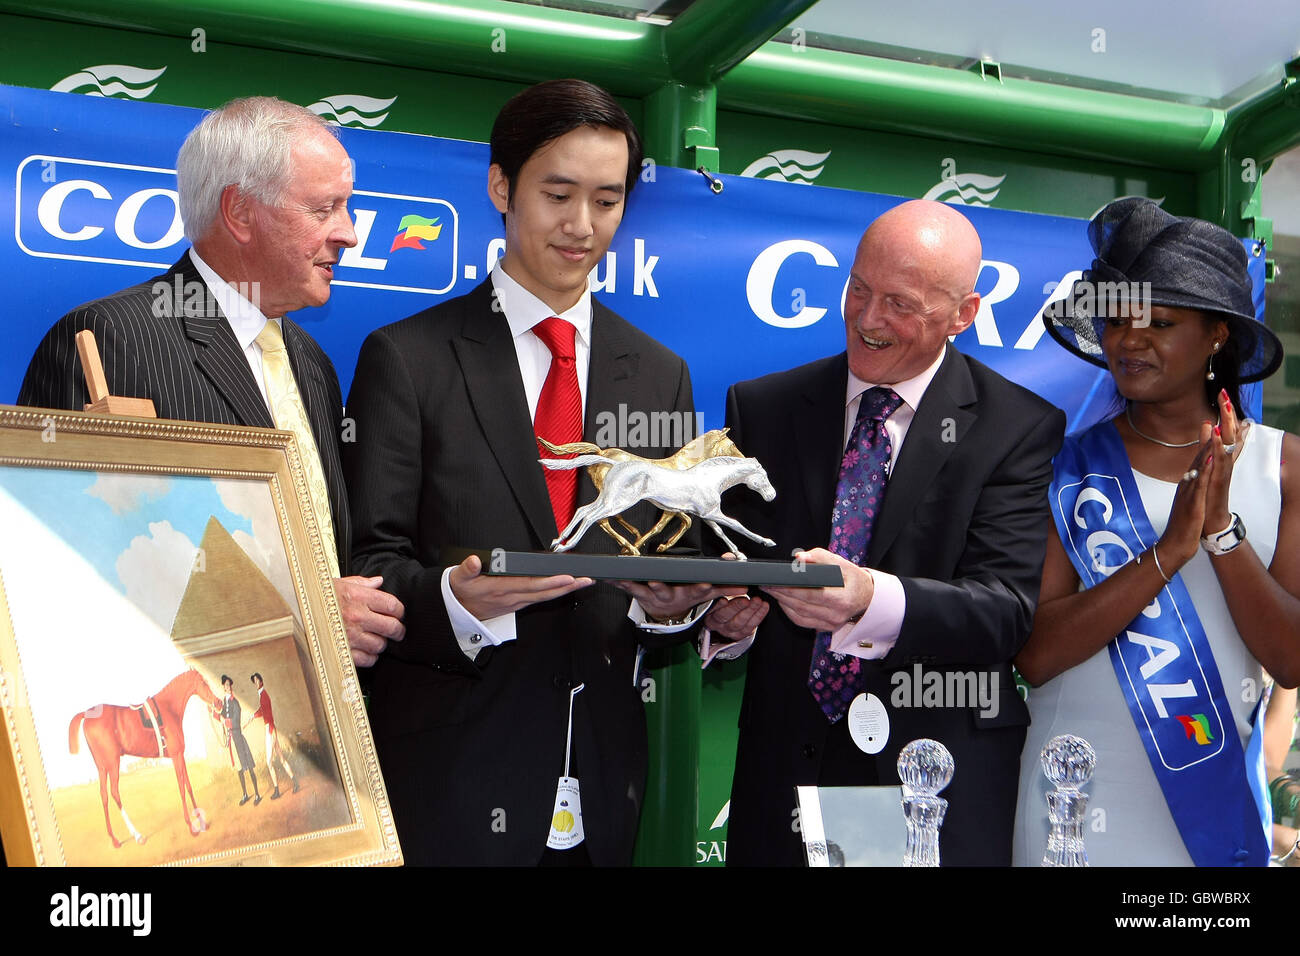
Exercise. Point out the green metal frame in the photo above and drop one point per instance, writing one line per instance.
(720, 47)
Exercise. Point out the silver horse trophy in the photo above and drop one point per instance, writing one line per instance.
(691, 482)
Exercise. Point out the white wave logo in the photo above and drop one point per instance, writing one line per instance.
(721, 819)
(788, 166)
(351, 109)
(111, 79)
(966, 189)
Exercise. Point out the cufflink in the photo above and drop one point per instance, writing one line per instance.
(864, 644)
(475, 638)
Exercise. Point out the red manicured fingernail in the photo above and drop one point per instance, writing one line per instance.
(1216, 430)
(1223, 393)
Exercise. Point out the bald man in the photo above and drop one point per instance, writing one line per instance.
(923, 475)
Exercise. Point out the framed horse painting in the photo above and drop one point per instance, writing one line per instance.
(175, 682)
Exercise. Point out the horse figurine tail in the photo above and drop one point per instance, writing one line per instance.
(568, 464)
(572, 448)
(74, 738)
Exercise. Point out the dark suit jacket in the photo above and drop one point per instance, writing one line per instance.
(963, 525)
(445, 457)
(159, 340)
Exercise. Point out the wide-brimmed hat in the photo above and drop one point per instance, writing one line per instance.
(1146, 253)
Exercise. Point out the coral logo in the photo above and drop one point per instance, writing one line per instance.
(966, 189)
(390, 214)
(788, 166)
(97, 212)
(90, 211)
(111, 79)
(1196, 726)
(413, 229)
(352, 109)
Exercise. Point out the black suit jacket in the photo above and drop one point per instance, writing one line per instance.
(963, 525)
(166, 339)
(445, 457)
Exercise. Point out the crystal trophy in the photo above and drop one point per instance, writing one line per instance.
(925, 767)
(1068, 762)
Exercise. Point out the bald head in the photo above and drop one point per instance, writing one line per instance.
(912, 287)
(932, 238)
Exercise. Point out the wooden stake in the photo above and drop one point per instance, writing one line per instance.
(97, 384)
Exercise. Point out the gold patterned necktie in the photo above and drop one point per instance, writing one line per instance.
(291, 415)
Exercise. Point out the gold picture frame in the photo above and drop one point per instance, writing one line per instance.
(142, 561)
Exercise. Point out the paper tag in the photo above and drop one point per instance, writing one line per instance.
(566, 821)
(868, 723)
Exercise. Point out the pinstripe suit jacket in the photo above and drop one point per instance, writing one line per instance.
(159, 341)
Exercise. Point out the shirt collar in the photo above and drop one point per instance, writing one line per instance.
(910, 390)
(245, 319)
(524, 310)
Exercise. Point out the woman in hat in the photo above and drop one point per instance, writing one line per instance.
(1175, 570)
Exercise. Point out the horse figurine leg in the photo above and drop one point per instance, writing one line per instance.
(583, 518)
(731, 545)
(627, 547)
(686, 523)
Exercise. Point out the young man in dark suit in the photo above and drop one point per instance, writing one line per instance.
(472, 711)
(264, 189)
(923, 475)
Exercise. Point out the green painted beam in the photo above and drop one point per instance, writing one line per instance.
(669, 815)
(490, 38)
(868, 92)
(1256, 131)
(711, 36)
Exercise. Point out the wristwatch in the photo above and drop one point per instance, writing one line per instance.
(1226, 540)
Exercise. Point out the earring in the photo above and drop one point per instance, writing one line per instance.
(1209, 372)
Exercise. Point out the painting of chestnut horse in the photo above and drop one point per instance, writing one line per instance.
(113, 731)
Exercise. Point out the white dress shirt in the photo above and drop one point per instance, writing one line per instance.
(876, 632)
(245, 319)
(523, 310)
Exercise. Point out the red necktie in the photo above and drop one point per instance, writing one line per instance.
(559, 413)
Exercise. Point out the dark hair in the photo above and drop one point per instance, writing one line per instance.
(1227, 369)
(225, 679)
(257, 677)
(546, 112)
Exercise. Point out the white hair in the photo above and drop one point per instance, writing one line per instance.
(246, 143)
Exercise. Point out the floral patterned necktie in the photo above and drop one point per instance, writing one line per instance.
(834, 679)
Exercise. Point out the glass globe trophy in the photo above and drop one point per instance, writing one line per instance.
(1068, 762)
(925, 767)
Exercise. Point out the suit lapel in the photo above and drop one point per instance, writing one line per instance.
(218, 356)
(308, 375)
(931, 438)
(611, 378)
(486, 353)
(820, 444)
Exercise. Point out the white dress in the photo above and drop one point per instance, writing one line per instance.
(1128, 822)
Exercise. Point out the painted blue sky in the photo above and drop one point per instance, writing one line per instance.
(99, 529)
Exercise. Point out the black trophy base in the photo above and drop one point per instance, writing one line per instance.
(670, 570)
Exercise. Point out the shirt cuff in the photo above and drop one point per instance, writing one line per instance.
(876, 633)
(723, 651)
(636, 614)
(472, 634)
